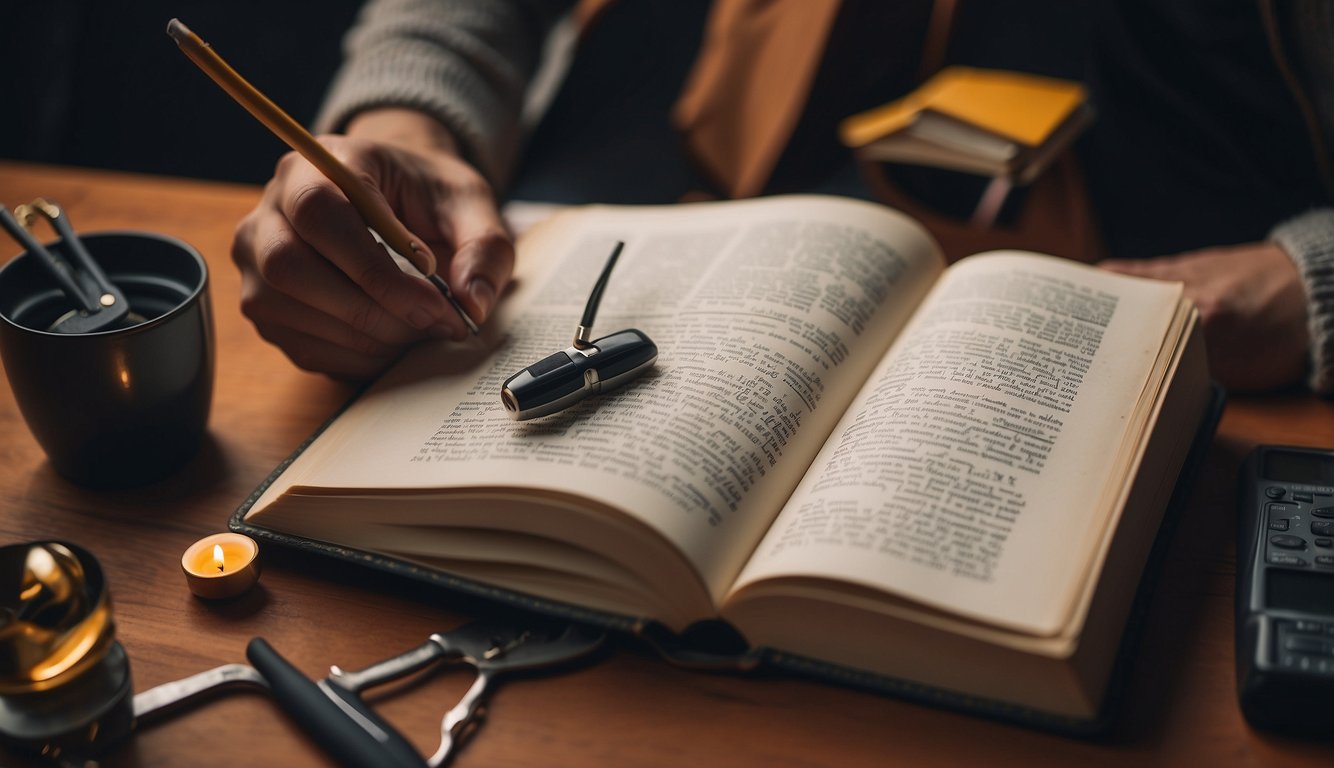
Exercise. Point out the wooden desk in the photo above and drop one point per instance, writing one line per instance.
(629, 708)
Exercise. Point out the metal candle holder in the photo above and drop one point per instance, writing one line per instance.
(64, 679)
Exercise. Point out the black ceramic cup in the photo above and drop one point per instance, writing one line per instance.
(123, 406)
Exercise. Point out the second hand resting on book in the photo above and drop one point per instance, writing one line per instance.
(1252, 306)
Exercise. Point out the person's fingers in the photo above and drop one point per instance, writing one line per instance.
(325, 337)
(295, 269)
(481, 269)
(322, 217)
(1120, 265)
(1159, 268)
(1252, 308)
(483, 258)
(453, 208)
(268, 309)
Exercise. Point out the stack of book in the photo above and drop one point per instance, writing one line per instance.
(1009, 126)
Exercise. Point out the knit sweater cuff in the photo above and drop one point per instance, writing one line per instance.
(467, 67)
(1309, 239)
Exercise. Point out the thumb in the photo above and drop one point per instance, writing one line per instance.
(371, 202)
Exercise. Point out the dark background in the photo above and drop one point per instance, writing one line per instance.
(98, 83)
(1197, 142)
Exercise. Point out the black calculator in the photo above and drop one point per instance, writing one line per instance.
(1285, 590)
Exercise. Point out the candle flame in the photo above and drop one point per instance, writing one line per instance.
(217, 556)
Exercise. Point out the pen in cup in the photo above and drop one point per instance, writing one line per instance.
(390, 229)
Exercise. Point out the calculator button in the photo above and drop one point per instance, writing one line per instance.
(1326, 512)
(1287, 541)
(1324, 560)
(1324, 543)
(1282, 508)
(1283, 558)
(1274, 492)
(1303, 497)
(1322, 527)
(1280, 524)
(1307, 626)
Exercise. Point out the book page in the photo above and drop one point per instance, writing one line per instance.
(768, 315)
(976, 471)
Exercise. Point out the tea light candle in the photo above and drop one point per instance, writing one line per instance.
(222, 565)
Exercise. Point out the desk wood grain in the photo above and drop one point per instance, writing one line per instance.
(628, 708)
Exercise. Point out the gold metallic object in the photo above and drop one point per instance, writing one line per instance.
(55, 616)
(98, 304)
(64, 680)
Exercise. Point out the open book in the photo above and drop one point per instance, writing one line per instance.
(848, 452)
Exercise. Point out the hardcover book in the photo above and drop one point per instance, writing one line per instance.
(939, 480)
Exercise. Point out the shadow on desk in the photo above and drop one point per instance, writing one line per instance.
(152, 503)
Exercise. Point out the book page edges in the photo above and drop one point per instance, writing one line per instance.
(573, 524)
(1066, 674)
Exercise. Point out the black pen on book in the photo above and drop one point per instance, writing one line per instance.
(395, 236)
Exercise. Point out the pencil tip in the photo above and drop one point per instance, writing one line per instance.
(177, 30)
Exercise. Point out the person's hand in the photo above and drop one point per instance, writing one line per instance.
(1253, 307)
(316, 284)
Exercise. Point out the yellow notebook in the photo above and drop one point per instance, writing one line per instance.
(984, 121)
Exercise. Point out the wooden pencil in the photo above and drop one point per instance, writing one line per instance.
(395, 235)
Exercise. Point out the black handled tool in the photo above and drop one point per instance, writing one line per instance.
(332, 711)
(493, 650)
(325, 712)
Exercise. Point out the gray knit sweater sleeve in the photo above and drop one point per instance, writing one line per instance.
(1309, 239)
(466, 62)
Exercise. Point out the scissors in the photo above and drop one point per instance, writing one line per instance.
(326, 708)
(98, 305)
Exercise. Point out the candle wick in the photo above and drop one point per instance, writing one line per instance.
(219, 567)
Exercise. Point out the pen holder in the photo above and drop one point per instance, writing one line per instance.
(122, 406)
(64, 680)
